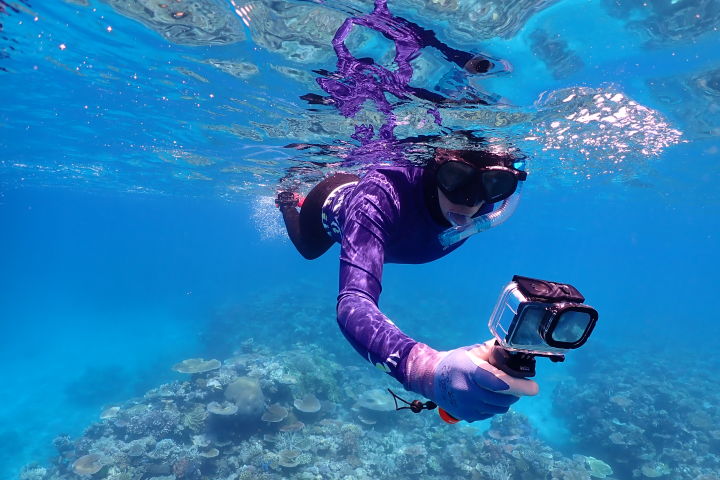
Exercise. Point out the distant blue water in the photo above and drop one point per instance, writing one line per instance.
(133, 209)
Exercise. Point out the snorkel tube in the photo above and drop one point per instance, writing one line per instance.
(453, 235)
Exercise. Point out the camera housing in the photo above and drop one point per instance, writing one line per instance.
(540, 317)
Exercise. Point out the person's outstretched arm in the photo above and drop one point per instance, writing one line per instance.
(372, 213)
(461, 381)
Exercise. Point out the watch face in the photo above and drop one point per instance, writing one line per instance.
(571, 326)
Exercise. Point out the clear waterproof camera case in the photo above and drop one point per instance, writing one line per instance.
(541, 317)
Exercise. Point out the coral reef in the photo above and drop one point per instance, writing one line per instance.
(246, 394)
(296, 411)
(645, 415)
(275, 413)
(309, 403)
(88, 464)
(196, 365)
(184, 431)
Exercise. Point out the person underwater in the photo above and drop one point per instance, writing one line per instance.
(412, 214)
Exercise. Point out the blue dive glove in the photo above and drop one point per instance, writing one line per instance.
(463, 383)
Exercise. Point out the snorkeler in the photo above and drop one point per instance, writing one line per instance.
(406, 214)
(403, 214)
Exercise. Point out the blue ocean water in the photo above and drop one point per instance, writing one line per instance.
(141, 146)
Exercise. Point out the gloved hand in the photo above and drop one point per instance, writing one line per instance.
(462, 382)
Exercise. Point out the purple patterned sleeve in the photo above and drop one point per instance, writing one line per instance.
(373, 212)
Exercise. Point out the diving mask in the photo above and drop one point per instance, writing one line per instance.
(500, 213)
(465, 184)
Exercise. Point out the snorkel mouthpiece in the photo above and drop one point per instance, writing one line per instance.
(456, 234)
(458, 220)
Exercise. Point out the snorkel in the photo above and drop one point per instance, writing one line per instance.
(456, 234)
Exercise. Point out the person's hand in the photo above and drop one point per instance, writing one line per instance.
(463, 383)
(287, 200)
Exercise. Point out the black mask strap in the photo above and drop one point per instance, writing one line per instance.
(416, 406)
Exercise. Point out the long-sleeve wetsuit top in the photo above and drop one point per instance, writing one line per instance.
(390, 216)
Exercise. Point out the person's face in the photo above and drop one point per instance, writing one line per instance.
(454, 213)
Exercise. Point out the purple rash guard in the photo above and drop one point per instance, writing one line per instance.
(390, 216)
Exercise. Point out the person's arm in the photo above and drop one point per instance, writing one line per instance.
(372, 213)
(461, 381)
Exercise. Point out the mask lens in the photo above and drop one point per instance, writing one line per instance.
(452, 176)
(498, 184)
(459, 183)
